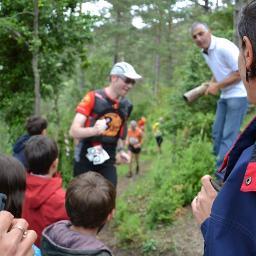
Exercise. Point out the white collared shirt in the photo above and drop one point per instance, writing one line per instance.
(222, 59)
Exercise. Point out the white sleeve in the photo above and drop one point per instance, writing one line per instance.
(230, 53)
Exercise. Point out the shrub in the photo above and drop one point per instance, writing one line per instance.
(129, 229)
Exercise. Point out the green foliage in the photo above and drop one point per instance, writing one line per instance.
(69, 67)
(172, 181)
(63, 32)
(177, 178)
(149, 246)
(97, 72)
(142, 99)
(129, 228)
(5, 146)
(59, 125)
(15, 108)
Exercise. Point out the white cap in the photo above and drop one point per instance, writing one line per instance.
(125, 69)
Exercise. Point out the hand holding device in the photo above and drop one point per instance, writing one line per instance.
(216, 185)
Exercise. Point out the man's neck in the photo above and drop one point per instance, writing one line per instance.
(84, 231)
(111, 93)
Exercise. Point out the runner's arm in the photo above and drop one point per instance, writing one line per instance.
(215, 86)
(122, 157)
(78, 131)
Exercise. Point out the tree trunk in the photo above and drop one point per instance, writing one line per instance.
(157, 71)
(169, 42)
(117, 36)
(81, 71)
(157, 60)
(35, 54)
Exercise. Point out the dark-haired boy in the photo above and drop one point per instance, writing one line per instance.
(90, 203)
(35, 125)
(44, 201)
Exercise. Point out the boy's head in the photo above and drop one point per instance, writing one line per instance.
(41, 153)
(36, 125)
(90, 200)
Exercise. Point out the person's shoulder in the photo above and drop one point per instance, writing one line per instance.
(20, 142)
(125, 101)
(58, 182)
(105, 253)
(225, 44)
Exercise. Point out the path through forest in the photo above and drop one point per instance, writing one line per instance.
(183, 238)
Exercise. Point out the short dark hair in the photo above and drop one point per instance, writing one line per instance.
(12, 183)
(40, 152)
(35, 125)
(246, 27)
(90, 198)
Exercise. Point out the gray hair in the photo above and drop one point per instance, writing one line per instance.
(197, 24)
(133, 123)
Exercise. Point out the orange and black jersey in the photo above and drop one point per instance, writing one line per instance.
(98, 105)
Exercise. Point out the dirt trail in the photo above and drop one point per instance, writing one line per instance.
(183, 238)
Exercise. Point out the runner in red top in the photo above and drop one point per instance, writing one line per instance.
(100, 124)
(142, 124)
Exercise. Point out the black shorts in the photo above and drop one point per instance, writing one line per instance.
(107, 169)
(159, 140)
(134, 150)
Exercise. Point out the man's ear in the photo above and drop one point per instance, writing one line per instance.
(113, 78)
(44, 132)
(111, 215)
(248, 52)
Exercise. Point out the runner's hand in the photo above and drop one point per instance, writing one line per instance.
(123, 158)
(136, 145)
(100, 126)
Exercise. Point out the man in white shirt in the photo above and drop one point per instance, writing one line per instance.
(221, 55)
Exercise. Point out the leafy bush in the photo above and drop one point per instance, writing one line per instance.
(176, 182)
(129, 229)
(171, 182)
(149, 246)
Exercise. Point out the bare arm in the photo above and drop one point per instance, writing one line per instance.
(121, 144)
(232, 78)
(214, 86)
(122, 157)
(78, 131)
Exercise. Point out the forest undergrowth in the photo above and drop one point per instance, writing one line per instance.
(180, 238)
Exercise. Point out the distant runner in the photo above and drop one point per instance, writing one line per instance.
(157, 131)
(142, 124)
(134, 142)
